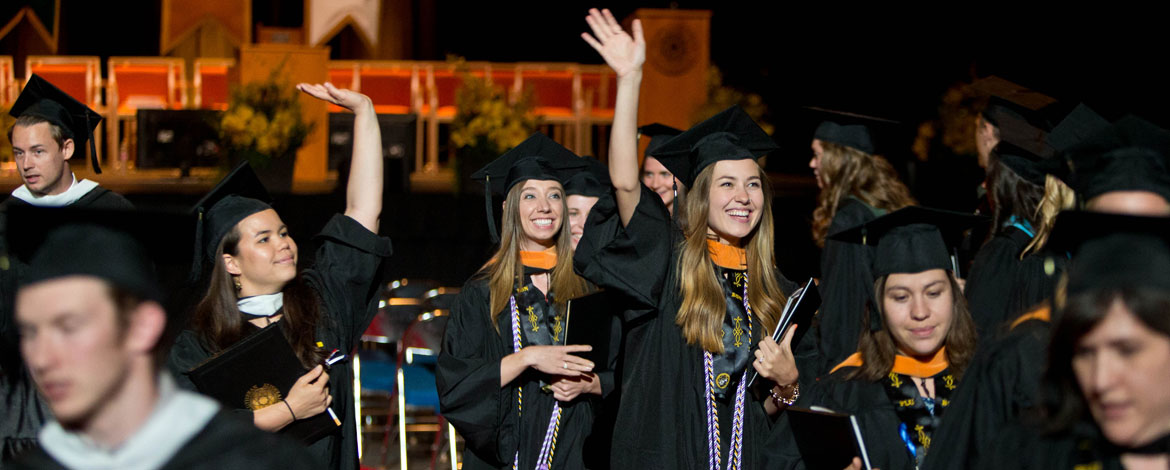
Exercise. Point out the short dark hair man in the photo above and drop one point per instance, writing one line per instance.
(91, 322)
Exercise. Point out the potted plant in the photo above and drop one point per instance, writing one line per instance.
(486, 125)
(263, 126)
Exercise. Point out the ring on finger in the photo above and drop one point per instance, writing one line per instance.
(564, 365)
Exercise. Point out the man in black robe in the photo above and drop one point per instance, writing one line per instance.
(91, 321)
(51, 127)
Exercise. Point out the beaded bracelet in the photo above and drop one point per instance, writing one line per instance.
(779, 400)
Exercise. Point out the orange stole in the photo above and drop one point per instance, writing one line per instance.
(546, 259)
(727, 256)
(1042, 313)
(906, 365)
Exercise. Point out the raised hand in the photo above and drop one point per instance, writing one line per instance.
(623, 53)
(347, 99)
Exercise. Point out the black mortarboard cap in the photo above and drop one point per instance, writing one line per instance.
(659, 134)
(1029, 166)
(729, 135)
(593, 182)
(538, 157)
(911, 239)
(237, 196)
(1113, 250)
(855, 136)
(119, 246)
(1129, 155)
(1078, 125)
(41, 99)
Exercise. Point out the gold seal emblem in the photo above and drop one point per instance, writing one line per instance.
(722, 380)
(261, 396)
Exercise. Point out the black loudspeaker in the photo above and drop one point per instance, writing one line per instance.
(178, 138)
(398, 135)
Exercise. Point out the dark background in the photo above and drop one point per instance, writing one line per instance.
(889, 62)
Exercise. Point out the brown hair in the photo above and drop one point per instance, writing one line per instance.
(850, 172)
(878, 348)
(703, 307)
(504, 270)
(125, 303)
(26, 120)
(219, 323)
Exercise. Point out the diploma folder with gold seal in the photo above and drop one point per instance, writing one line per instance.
(256, 372)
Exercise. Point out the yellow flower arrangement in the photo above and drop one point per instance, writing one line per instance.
(486, 125)
(6, 122)
(263, 121)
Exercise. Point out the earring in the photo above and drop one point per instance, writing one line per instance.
(236, 282)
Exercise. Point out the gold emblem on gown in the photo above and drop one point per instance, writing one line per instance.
(949, 381)
(722, 380)
(556, 328)
(261, 396)
(532, 318)
(894, 380)
(738, 331)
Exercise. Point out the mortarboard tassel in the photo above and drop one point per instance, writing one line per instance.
(487, 204)
(93, 156)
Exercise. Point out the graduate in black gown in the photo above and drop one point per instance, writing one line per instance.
(506, 379)
(92, 326)
(254, 282)
(655, 176)
(582, 191)
(705, 300)
(856, 186)
(1103, 401)
(1011, 273)
(917, 339)
(51, 127)
(1117, 170)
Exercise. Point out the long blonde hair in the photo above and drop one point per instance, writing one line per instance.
(505, 271)
(846, 172)
(1057, 197)
(703, 306)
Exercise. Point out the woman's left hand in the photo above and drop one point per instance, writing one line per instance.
(567, 388)
(347, 99)
(775, 361)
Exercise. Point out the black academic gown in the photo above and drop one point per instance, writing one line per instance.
(999, 387)
(498, 424)
(1024, 447)
(846, 284)
(346, 275)
(23, 411)
(1001, 286)
(226, 442)
(661, 422)
(879, 416)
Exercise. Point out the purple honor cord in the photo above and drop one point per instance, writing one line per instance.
(735, 451)
(544, 459)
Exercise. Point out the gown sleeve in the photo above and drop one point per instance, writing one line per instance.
(347, 274)
(634, 259)
(186, 354)
(991, 283)
(846, 285)
(468, 378)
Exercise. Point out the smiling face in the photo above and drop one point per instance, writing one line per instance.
(918, 310)
(735, 200)
(1123, 370)
(40, 160)
(266, 256)
(540, 207)
(815, 163)
(73, 344)
(579, 207)
(659, 179)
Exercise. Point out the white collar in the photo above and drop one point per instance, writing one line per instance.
(261, 305)
(177, 417)
(77, 190)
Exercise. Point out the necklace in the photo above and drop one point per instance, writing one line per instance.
(735, 451)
